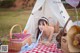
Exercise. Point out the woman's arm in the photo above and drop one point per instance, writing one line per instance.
(51, 33)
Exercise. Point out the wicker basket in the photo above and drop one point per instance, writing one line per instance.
(20, 40)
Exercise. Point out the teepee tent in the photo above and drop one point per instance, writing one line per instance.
(47, 8)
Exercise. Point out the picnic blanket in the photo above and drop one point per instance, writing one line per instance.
(38, 47)
(41, 48)
(30, 47)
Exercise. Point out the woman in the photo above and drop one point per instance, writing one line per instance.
(48, 31)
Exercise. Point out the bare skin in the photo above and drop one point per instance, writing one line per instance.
(47, 32)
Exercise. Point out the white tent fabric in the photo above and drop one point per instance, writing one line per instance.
(38, 4)
(47, 8)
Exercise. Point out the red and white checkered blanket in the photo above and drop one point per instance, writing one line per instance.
(41, 48)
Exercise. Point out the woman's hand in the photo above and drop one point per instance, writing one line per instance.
(47, 43)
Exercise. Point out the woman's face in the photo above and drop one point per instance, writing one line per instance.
(41, 26)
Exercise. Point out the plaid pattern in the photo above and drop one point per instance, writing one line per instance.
(45, 49)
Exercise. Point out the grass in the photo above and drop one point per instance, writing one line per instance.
(8, 18)
(72, 14)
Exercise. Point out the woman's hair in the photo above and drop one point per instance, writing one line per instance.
(42, 20)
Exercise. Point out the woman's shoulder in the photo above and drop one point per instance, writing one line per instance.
(51, 28)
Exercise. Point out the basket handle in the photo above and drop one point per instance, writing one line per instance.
(13, 28)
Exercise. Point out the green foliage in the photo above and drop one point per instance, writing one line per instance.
(5, 41)
(6, 3)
